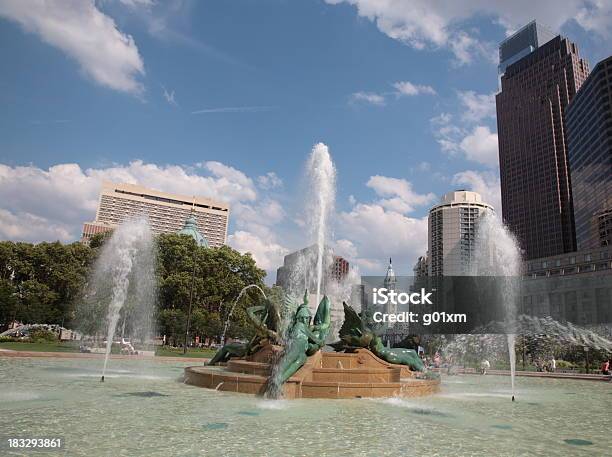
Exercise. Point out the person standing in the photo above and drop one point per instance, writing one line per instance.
(605, 367)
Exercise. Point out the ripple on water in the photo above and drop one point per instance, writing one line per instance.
(146, 394)
(413, 408)
(502, 426)
(248, 413)
(215, 426)
(578, 442)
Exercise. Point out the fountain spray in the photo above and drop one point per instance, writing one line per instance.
(229, 316)
(124, 281)
(497, 254)
(322, 186)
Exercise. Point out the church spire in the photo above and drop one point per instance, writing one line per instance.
(390, 279)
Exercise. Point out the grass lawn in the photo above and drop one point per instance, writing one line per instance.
(54, 346)
(166, 351)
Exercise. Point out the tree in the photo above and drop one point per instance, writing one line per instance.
(46, 278)
(8, 303)
(172, 324)
(221, 273)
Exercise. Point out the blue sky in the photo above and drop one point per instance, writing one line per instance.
(227, 98)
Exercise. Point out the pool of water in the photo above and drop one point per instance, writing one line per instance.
(143, 409)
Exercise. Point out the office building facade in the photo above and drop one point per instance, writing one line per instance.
(536, 88)
(589, 140)
(166, 212)
(452, 232)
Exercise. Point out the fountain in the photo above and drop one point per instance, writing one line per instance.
(229, 315)
(285, 358)
(497, 254)
(296, 367)
(123, 282)
(322, 183)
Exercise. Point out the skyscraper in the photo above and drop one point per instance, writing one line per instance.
(540, 78)
(589, 140)
(452, 230)
(166, 212)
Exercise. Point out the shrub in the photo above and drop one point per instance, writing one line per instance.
(42, 336)
(565, 364)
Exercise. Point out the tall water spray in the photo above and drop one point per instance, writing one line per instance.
(123, 285)
(497, 254)
(321, 196)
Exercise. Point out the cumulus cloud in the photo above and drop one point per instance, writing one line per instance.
(268, 256)
(29, 226)
(481, 146)
(368, 98)
(469, 135)
(410, 89)
(444, 24)
(401, 197)
(476, 107)
(77, 27)
(377, 233)
(486, 183)
(269, 181)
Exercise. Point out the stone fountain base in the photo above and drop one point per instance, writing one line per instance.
(324, 375)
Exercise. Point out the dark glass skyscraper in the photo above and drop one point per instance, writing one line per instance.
(589, 142)
(535, 183)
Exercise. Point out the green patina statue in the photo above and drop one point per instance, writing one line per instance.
(303, 339)
(266, 319)
(355, 333)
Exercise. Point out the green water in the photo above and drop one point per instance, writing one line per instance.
(142, 409)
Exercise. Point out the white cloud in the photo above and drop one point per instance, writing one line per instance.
(368, 97)
(481, 146)
(477, 106)
(596, 16)
(138, 3)
(467, 136)
(376, 233)
(29, 226)
(402, 89)
(77, 27)
(486, 183)
(268, 256)
(423, 24)
(269, 181)
(409, 89)
(402, 198)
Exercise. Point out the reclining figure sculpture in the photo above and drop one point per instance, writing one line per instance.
(266, 319)
(355, 333)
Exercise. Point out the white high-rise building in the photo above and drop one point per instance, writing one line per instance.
(452, 231)
(166, 212)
